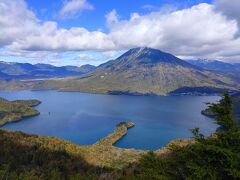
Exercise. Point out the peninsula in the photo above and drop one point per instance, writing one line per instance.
(12, 111)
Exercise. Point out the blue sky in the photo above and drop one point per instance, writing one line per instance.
(95, 19)
(78, 32)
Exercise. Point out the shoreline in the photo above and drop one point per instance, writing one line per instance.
(113, 94)
(103, 153)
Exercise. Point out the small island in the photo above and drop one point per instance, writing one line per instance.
(12, 111)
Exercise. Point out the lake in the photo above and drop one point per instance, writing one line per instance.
(85, 118)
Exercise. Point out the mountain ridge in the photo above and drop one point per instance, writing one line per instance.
(230, 69)
(14, 70)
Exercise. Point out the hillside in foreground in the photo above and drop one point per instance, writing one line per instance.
(33, 156)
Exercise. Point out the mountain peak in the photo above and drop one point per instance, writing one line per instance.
(143, 50)
(146, 55)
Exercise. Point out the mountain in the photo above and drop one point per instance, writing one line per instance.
(230, 69)
(14, 70)
(139, 71)
(143, 71)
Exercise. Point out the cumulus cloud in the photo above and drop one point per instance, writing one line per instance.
(15, 20)
(204, 30)
(20, 29)
(72, 8)
(49, 38)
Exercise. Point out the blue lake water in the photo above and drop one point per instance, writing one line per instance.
(85, 118)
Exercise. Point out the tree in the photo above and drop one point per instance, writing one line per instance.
(223, 113)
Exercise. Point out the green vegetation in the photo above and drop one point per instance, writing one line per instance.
(236, 107)
(11, 111)
(35, 157)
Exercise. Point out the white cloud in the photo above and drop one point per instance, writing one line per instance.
(49, 37)
(112, 17)
(15, 20)
(200, 31)
(73, 8)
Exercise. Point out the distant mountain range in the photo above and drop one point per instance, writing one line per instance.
(139, 71)
(230, 69)
(29, 71)
(215, 65)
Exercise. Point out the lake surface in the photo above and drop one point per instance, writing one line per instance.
(85, 118)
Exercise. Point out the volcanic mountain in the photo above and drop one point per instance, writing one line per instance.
(145, 71)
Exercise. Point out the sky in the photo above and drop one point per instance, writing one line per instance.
(77, 32)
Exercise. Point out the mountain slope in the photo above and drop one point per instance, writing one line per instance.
(29, 71)
(146, 71)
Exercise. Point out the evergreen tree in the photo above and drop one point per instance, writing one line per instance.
(223, 113)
